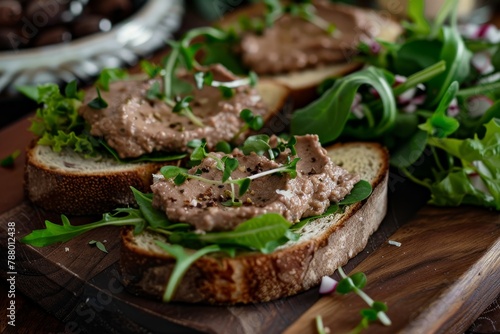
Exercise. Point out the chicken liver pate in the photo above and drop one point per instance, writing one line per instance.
(318, 183)
(293, 43)
(134, 125)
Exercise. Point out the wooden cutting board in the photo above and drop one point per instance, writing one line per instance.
(445, 273)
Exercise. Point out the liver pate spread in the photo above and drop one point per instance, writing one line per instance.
(318, 183)
(293, 43)
(134, 125)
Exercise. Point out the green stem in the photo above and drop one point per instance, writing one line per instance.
(170, 72)
(488, 88)
(421, 76)
(192, 117)
(414, 179)
(384, 319)
(450, 6)
(319, 325)
(240, 131)
(436, 158)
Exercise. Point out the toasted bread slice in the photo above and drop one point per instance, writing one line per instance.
(324, 245)
(68, 183)
(303, 83)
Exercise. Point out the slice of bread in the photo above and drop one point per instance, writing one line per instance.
(303, 83)
(68, 183)
(324, 245)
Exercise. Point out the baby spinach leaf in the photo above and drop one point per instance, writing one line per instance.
(359, 192)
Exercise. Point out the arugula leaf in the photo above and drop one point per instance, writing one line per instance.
(259, 233)
(54, 233)
(155, 217)
(327, 116)
(184, 260)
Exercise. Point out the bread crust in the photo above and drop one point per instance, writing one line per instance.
(83, 192)
(255, 277)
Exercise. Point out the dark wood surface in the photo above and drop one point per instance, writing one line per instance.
(437, 265)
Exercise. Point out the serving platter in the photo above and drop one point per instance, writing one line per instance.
(439, 280)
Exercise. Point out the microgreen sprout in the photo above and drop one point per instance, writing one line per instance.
(99, 245)
(98, 102)
(260, 145)
(254, 122)
(320, 328)
(354, 283)
(182, 107)
(303, 9)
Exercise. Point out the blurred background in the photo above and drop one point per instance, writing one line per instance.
(61, 40)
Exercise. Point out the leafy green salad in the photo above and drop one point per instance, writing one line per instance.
(431, 98)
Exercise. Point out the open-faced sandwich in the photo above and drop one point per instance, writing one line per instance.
(302, 43)
(219, 205)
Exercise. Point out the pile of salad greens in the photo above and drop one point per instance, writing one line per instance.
(431, 98)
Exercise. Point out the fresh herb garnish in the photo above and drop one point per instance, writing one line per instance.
(227, 166)
(8, 161)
